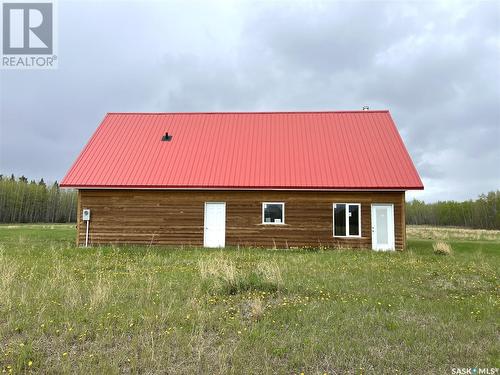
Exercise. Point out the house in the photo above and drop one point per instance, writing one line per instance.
(275, 179)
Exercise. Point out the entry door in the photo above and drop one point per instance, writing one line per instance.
(215, 225)
(383, 227)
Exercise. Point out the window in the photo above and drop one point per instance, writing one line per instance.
(273, 213)
(347, 220)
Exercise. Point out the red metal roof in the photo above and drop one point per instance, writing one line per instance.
(246, 150)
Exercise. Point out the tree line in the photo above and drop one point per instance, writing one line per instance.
(23, 201)
(483, 212)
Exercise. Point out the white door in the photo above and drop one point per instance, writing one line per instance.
(215, 225)
(383, 227)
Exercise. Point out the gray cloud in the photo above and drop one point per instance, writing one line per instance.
(434, 65)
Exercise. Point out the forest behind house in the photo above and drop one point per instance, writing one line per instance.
(23, 201)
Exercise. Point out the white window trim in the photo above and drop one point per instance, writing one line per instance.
(347, 220)
(283, 210)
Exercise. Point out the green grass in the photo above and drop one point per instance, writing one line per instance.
(169, 310)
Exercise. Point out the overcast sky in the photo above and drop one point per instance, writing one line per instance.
(434, 65)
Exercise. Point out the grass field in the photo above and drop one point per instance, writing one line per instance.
(162, 310)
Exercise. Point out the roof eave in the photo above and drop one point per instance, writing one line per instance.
(283, 188)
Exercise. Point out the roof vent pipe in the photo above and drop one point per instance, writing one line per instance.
(167, 137)
(366, 108)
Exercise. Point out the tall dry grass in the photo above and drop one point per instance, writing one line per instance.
(270, 272)
(219, 274)
(442, 248)
(451, 233)
(8, 272)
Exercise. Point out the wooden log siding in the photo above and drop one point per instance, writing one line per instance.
(171, 217)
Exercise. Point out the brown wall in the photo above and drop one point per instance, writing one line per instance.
(176, 217)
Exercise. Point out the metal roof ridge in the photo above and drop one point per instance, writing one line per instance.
(246, 112)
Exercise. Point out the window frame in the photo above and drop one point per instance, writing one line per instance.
(282, 210)
(347, 231)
